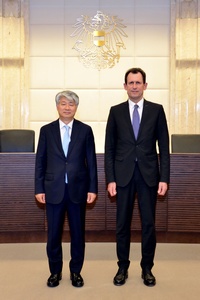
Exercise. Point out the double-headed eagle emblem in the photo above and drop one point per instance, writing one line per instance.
(99, 40)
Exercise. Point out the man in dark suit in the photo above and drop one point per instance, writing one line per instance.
(132, 167)
(65, 182)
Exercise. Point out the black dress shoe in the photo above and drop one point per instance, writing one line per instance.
(54, 279)
(120, 277)
(148, 278)
(77, 280)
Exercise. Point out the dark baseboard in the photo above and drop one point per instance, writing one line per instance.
(99, 236)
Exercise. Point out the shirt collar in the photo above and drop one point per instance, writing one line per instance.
(140, 103)
(62, 124)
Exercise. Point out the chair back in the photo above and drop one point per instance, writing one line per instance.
(17, 140)
(185, 143)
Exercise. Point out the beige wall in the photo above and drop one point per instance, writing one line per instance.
(54, 66)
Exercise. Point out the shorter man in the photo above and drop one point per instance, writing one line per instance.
(65, 180)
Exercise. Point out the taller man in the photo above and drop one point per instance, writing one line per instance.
(132, 166)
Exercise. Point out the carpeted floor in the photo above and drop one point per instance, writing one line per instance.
(24, 271)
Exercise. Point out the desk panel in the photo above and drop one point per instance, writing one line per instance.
(177, 212)
(19, 211)
(184, 194)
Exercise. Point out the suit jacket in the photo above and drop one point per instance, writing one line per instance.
(121, 148)
(80, 163)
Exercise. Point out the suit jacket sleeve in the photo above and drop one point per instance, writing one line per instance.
(163, 145)
(110, 146)
(40, 163)
(91, 162)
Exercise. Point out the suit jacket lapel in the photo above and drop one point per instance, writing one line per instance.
(128, 119)
(56, 135)
(145, 115)
(74, 136)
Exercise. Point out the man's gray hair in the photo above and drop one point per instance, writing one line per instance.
(69, 95)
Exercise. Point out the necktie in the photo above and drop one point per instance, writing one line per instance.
(136, 120)
(66, 140)
(65, 145)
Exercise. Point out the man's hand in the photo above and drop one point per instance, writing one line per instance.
(91, 197)
(40, 198)
(112, 189)
(162, 188)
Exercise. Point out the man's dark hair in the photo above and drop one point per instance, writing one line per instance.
(135, 71)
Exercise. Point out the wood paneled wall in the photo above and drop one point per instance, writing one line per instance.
(177, 212)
